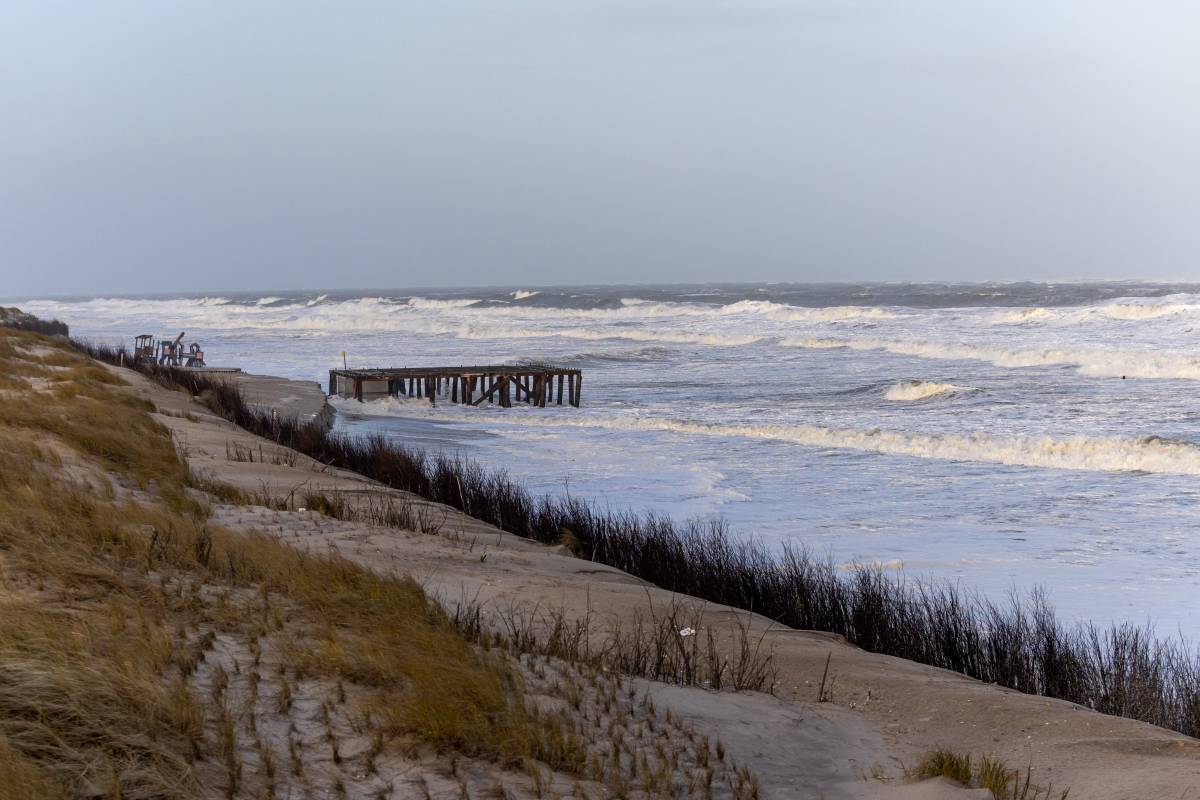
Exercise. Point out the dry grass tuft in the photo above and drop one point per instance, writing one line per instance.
(986, 773)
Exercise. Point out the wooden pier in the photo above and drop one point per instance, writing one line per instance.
(501, 385)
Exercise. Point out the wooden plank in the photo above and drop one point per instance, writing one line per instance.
(488, 394)
(528, 394)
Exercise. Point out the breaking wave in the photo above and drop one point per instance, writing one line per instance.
(1132, 309)
(1023, 315)
(640, 355)
(908, 391)
(1150, 454)
(381, 313)
(425, 302)
(786, 313)
(1097, 363)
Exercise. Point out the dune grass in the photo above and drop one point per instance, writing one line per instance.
(984, 773)
(110, 566)
(1124, 670)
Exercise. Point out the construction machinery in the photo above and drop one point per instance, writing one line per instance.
(170, 351)
(194, 356)
(167, 352)
(143, 349)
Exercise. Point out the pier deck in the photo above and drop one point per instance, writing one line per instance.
(537, 385)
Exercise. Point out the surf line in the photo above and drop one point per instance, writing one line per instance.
(1099, 454)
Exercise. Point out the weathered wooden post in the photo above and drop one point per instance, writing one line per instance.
(560, 388)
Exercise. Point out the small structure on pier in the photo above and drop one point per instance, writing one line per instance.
(536, 385)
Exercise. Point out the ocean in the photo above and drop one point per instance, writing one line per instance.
(1002, 436)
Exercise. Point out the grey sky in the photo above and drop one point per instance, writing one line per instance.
(242, 145)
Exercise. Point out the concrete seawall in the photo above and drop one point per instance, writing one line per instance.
(303, 400)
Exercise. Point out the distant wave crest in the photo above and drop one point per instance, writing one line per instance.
(1129, 309)
(1099, 363)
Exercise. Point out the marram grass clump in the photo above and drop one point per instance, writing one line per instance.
(984, 773)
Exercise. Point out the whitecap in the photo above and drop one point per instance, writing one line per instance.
(909, 391)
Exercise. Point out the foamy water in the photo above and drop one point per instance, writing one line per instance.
(1001, 435)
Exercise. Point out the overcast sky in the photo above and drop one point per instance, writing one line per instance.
(253, 145)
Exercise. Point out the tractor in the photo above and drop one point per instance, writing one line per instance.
(167, 352)
(143, 349)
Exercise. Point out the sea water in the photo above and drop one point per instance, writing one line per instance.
(1001, 435)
